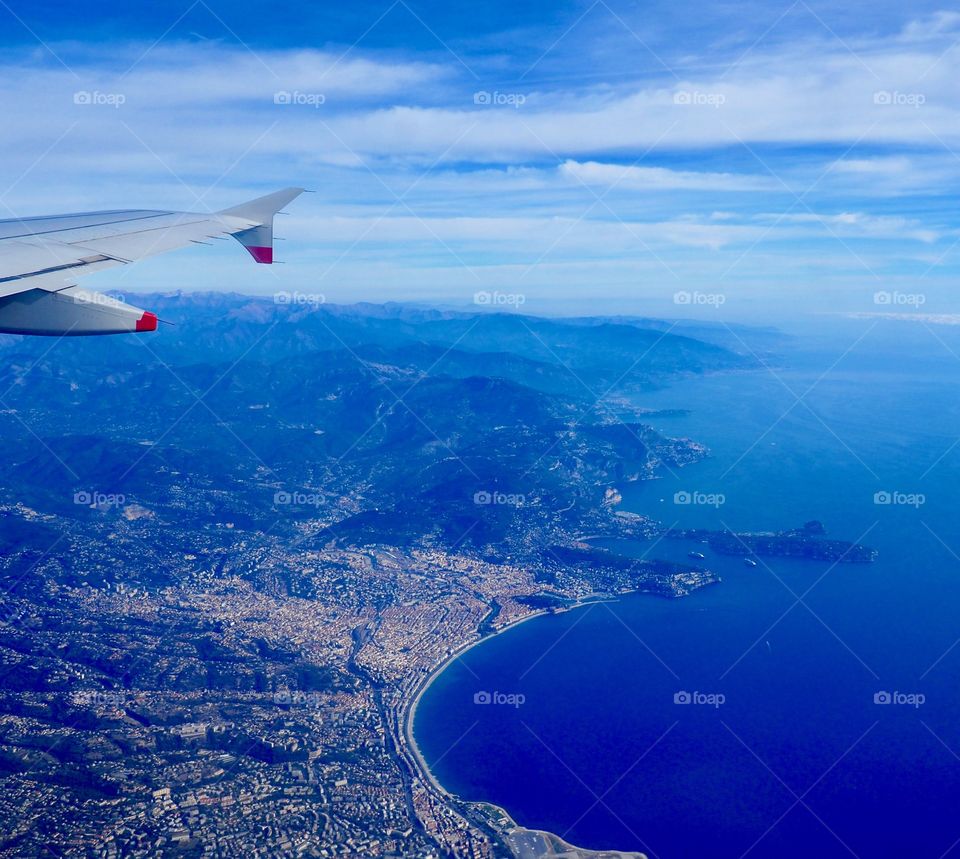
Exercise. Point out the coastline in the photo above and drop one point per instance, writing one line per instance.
(409, 708)
(515, 837)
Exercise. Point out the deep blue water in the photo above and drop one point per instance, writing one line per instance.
(799, 760)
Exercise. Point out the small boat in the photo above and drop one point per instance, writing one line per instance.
(698, 555)
(750, 562)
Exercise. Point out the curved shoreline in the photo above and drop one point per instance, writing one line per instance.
(410, 713)
(408, 717)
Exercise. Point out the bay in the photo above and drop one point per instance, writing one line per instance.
(788, 753)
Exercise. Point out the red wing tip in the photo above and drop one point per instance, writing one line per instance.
(147, 322)
(261, 255)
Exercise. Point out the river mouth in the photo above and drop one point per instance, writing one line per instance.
(797, 708)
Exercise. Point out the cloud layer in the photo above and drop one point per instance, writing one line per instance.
(438, 174)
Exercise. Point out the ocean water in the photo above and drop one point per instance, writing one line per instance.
(788, 748)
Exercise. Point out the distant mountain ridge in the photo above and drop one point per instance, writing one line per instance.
(220, 326)
(376, 413)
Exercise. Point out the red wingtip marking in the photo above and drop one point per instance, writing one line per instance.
(147, 322)
(263, 255)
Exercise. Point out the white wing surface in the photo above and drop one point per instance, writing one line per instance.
(40, 259)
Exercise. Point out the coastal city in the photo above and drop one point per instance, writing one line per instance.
(515, 430)
(273, 725)
(214, 635)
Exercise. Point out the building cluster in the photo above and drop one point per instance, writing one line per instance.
(243, 697)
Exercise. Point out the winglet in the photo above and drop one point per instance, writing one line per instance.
(258, 240)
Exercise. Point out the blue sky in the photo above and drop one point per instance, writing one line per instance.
(747, 160)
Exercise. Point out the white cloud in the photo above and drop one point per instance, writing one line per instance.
(862, 225)
(933, 26)
(530, 236)
(384, 110)
(661, 178)
(506, 184)
(892, 165)
(191, 104)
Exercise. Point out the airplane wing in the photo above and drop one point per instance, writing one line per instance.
(40, 258)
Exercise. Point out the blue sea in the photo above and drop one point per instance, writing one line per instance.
(794, 709)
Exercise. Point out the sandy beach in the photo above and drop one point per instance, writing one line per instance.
(410, 712)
